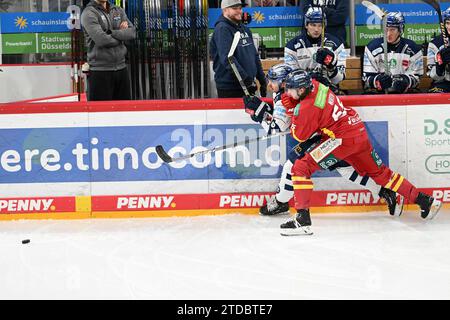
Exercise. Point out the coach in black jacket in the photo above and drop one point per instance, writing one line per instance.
(246, 56)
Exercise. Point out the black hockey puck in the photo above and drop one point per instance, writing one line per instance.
(25, 241)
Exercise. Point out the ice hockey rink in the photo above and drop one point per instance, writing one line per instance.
(235, 256)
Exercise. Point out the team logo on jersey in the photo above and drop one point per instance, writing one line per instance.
(376, 158)
(405, 63)
(392, 63)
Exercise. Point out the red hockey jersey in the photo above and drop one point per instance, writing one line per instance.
(321, 110)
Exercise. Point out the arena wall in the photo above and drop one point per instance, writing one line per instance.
(89, 160)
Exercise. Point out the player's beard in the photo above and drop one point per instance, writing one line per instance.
(304, 94)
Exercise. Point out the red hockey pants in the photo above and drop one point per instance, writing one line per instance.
(358, 153)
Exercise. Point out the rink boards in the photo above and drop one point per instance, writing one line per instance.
(81, 160)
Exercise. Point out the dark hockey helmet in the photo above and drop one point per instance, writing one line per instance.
(278, 73)
(315, 15)
(446, 14)
(298, 79)
(395, 19)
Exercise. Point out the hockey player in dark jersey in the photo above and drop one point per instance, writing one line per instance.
(404, 56)
(438, 59)
(279, 118)
(325, 60)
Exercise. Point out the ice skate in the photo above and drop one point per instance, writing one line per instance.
(393, 200)
(273, 207)
(299, 225)
(429, 207)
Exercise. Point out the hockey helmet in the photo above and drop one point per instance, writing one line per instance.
(315, 15)
(446, 14)
(396, 20)
(278, 73)
(298, 79)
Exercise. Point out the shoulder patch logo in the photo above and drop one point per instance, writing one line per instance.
(321, 97)
(377, 51)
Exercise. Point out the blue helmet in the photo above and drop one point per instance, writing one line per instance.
(278, 72)
(314, 15)
(446, 14)
(298, 79)
(395, 19)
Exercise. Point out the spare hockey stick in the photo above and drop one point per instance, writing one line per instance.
(322, 40)
(382, 15)
(74, 25)
(436, 6)
(234, 44)
(166, 158)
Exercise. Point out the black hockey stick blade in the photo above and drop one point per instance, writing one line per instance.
(163, 154)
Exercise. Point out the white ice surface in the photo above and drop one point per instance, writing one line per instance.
(350, 256)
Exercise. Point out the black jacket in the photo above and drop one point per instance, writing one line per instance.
(246, 56)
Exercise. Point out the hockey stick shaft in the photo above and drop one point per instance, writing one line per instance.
(387, 69)
(238, 76)
(380, 13)
(234, 44)
(436, 6)
(166, 158)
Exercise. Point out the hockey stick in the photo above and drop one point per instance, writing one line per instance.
(322, 41)
(436, 6)
(234, 44)
(167, 159)
(382, 15)
(75, 27)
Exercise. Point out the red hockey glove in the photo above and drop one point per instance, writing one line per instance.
(289, 103)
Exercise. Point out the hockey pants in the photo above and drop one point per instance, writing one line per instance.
(360, 155)
(285, 190)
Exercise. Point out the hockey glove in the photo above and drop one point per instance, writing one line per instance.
(443, 56)
(298, 151)
(251, 85)
(440, 69)
(400, 83)
(289, 103)
(383, 81)
(257, 109)
(246, 18)
(321, 78)
(325, 56)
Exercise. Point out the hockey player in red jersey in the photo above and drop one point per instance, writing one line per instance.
(318, 109)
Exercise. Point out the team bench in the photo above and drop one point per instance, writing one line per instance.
(353, 83)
